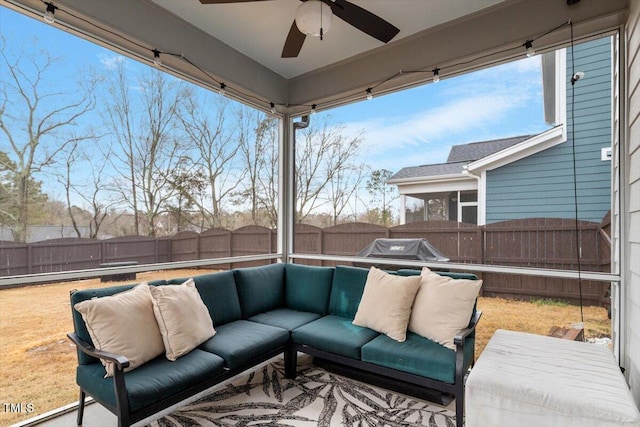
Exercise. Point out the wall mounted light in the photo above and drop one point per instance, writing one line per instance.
(577, 76)
(369, 94)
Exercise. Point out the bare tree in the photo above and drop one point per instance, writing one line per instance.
(120, 118)
(189, 182)
(382, 193)
(258, 140)
(93, 191)
(35, 120)
(143, 119)
(268, 174)
(10, 197)
(322, 154)
(214, 152)
(346, 179)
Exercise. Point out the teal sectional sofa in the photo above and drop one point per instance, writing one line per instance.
(258, 313)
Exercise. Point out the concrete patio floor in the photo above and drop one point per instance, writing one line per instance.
(95, 415)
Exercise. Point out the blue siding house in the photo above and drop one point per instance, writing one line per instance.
(529, 176)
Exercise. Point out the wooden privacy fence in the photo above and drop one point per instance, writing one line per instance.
(538, 242)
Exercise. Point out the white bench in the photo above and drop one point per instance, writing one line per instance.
(531, 380)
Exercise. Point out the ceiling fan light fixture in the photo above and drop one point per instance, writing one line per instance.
(313, 18)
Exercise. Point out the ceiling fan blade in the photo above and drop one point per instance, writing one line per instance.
(364, 20)
(226, 1)
(294, 42)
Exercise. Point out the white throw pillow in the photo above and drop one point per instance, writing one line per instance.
(123, 324)
(443, 307)
(183, 318)
(386, 303)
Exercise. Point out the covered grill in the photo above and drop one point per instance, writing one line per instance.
(405, 249)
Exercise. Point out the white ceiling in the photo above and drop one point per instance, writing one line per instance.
(258, 29)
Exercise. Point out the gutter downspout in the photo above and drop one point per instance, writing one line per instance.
(303, 123)
(482, 195)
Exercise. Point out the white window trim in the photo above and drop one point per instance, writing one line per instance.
(468, 204)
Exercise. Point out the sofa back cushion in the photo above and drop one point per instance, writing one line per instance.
(260, 289)
(218, 292)
(453, 275)
(183, 319)
(124, 324)
(78, 322)
(308, 288)
(443, 307)
(346, 290)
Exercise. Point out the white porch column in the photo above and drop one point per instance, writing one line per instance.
(403, 210)
(286, 198)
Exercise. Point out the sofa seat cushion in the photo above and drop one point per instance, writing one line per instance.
(417, 355)
(241, 341)
(334, 334)
(153, 381)
(285, 318)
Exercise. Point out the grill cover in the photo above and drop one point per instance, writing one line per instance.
(413, 249)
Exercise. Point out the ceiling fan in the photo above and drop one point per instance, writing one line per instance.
(352, 14)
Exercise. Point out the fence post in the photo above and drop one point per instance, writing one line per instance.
(103, 250)
(481, 237)
(321, 243)
(29, 259)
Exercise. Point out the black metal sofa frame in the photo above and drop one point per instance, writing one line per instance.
(127, 418)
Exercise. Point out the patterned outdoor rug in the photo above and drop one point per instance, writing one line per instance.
(316, 397)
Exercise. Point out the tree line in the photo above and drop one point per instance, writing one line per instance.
(134, 146)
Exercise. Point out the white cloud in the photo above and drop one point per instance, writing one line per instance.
(111, 62)
(478, 106)
(422, 128)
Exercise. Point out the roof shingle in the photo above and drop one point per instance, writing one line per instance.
(459, 156)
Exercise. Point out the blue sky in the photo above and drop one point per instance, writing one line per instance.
(418, 126)
(408, 128)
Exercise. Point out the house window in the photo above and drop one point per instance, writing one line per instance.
(463, 206)
(438, 208)
(414, 210)
(468, 207)
(459, 206)
(427, 207)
